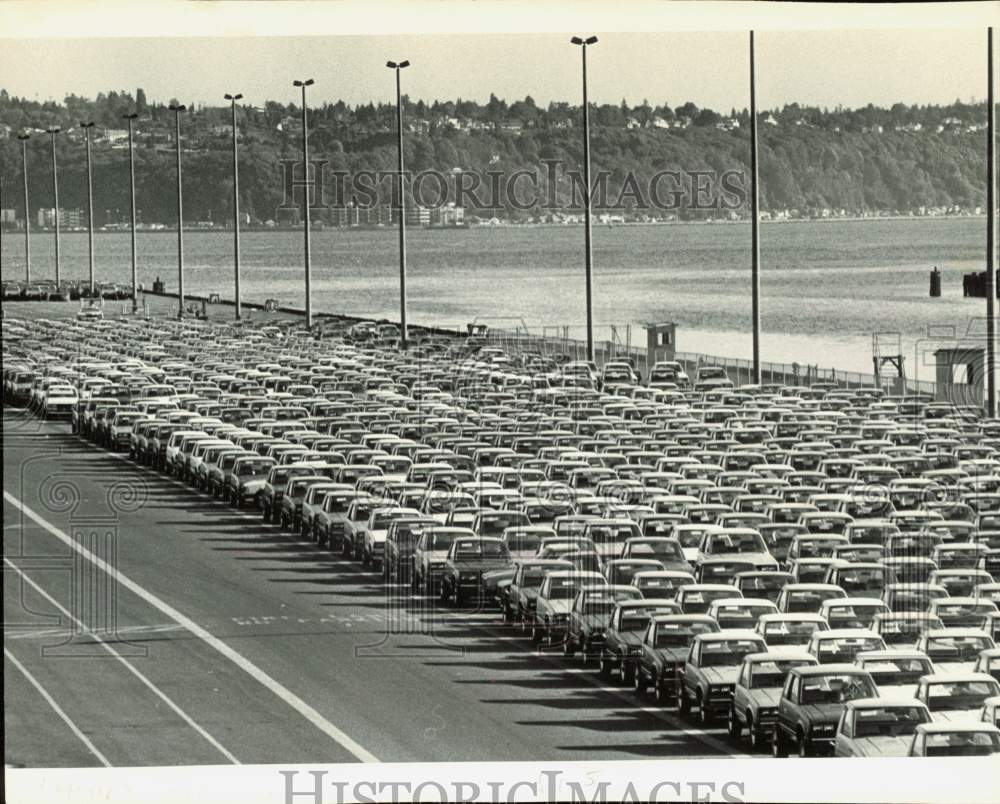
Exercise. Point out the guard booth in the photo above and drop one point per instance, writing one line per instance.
(661, 342)
(960, 373)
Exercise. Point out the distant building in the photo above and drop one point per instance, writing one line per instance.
(70, 218)
(113, 135)
(418, 215)
(8, 216)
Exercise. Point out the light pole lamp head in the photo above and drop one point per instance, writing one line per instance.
(235, 97)
(178, 107)
(130, 116)
(590, 40)
(397, 65)
(24, 135)
(307, 83)
(86, 125)
(53, 130)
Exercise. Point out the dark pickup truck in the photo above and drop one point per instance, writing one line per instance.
(467, 560)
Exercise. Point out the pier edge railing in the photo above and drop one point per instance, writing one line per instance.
(739, 370)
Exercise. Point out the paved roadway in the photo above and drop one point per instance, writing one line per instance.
(226, 641)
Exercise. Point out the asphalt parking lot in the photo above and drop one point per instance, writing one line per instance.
(397, 676)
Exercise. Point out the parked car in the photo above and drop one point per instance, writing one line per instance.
(811, 703)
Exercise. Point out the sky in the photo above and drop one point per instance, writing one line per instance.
(821, 68)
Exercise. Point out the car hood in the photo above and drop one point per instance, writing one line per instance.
(630, 637)
(559, 606)
(672, 655)
(720, 675)
(823, 713)
(593, 622)
(765, 696)
(882, 746)
(957, 716)
(253, 485)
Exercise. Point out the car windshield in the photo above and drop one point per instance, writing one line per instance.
(959, 694)
(765, 583)
(523, 542)
(959, 648)
(888, 721)
(767, 675)
(727, 652)
(804, 601)
(689, 539)
(846, 648)
(562, 588)
(668, 550)
(474, 548)
(253, 468)
(737, 543)
(679, 635)
(892, 672)
(838, 688)
(601, 607)
(789, 632)
(855, 612)
(962, 744)
(495, 526)
(861, 579)
(442, 540)
(605, 534)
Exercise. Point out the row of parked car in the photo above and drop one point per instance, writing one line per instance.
(814, 568)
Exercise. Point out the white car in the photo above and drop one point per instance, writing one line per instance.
(956, 698)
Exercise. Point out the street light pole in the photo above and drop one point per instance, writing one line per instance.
(177, 109)
(755, 220)
(587, 236)
(236, 208)
(90, 209)
(991, 224)
(53, 130)
(305, 200)
(404, 334)
(27, 218)
(131, 186)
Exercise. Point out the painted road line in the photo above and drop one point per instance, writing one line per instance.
(293, 700)
(20, 632)
(57, 709)
(128, 665)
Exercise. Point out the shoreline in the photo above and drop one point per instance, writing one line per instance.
(392, 229)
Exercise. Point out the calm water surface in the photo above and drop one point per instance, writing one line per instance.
(826, 285)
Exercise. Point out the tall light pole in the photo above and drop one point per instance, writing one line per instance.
(755, 220)
(398, 66)
(90, 208)
(131, 187)
(236, 208)
(588, 244)
(53, 130)
(305, 200)
(991, 224)
(177, 109)
(27, 217)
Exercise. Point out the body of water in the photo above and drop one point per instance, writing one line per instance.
(826, 285)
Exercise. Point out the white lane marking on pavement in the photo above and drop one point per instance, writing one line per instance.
(22, 632)
(294, 701)
(58, 709)
(128, 665)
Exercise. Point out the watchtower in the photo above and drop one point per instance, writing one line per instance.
(661, 341)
